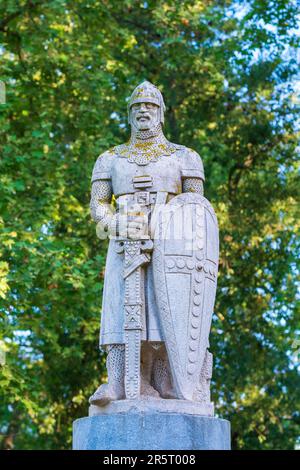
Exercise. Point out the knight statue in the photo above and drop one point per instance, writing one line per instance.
(162, 263)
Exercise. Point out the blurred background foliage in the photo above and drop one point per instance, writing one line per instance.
(228, 72)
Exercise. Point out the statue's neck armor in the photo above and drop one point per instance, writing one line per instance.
(151, 134)
(145, 146)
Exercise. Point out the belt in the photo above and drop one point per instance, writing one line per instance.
(153, 202)
(142, 198)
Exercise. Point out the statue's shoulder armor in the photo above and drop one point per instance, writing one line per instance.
(192, 166)
(187, 152)
(102, 167)
(180, 148)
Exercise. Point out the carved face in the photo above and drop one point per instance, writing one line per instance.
(144, 116)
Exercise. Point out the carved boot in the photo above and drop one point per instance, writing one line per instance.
(162, 378)
(114, 389)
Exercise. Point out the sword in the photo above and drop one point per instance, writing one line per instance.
(136, 255)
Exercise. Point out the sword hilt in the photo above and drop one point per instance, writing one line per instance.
(143, 244)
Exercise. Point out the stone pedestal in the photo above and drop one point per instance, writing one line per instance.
(127, 425)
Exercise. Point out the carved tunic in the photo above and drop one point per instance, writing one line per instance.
(177, 169)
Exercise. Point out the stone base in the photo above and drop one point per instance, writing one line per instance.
(128, 425)
(156, 405)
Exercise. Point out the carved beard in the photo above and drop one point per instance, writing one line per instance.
(155, 131)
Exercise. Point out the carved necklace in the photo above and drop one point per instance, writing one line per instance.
(145, 147)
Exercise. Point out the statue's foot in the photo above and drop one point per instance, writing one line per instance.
(168, 393)
(166, 389)
(148, 391)
(105, 394)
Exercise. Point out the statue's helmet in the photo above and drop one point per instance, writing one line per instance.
(147, 93)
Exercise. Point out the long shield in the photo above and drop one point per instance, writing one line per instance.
(185, 267)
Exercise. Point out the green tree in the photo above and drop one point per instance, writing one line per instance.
(227, 71)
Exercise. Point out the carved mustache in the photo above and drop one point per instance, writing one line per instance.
(140, 116)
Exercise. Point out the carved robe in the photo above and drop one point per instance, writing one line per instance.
(167, 167)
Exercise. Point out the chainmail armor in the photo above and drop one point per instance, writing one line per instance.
(145, 146)
(115, 362)
(101, 210)
(161, 371)
(193, 185)
(144, 135)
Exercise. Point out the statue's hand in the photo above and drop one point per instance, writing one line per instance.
(137, 227)
(133, 226)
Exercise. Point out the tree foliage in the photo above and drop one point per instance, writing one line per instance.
(226, 70)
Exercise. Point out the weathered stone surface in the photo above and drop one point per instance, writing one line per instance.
(159, 293)
(162, 262)
(153, 405)
(151, 431)
(185, 264)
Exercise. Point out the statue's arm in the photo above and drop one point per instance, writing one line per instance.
(100, 204)
(192, 173)
(193, 185)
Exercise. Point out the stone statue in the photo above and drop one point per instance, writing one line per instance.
(162, 263)
(159, 293)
